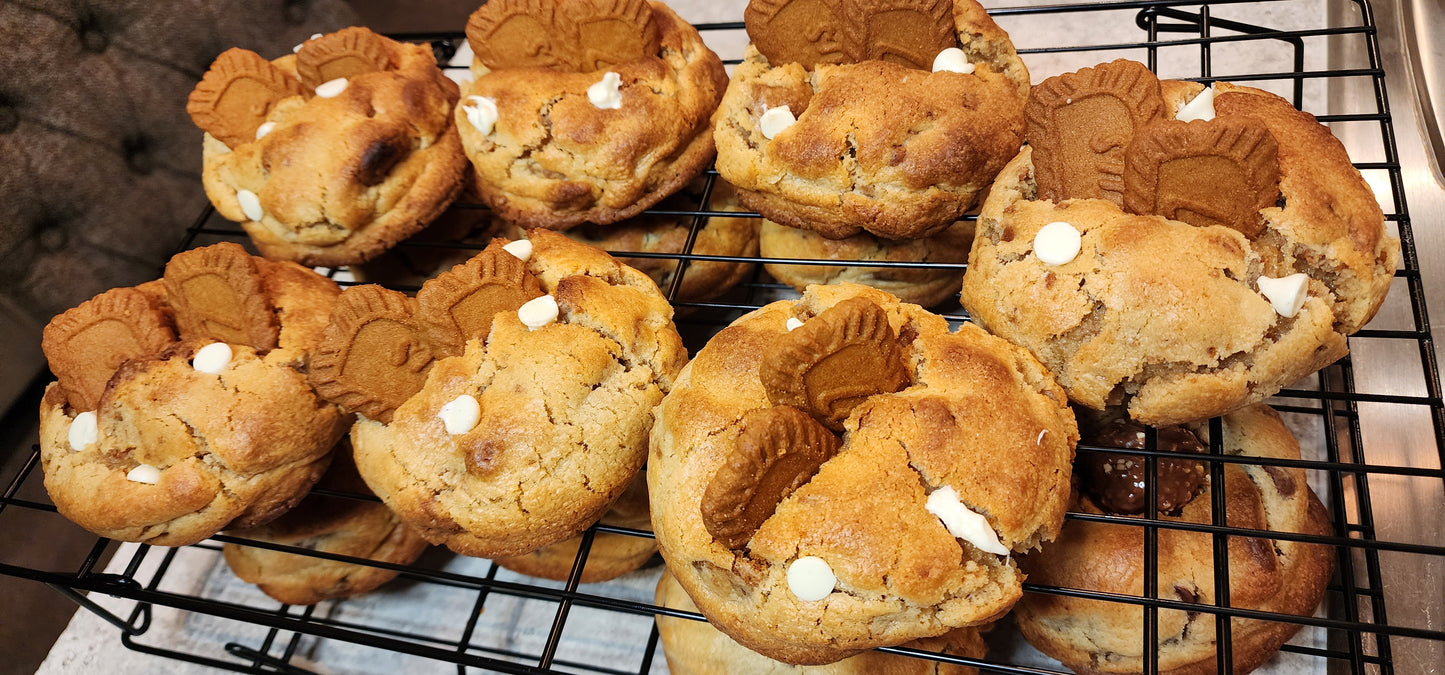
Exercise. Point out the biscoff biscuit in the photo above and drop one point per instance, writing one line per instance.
(236, 94)
(374, 355)
(812, 32)
(218, 294)
(346, 53)
(86, 344)
(577, 37)
(458, 305)
(1217, 172)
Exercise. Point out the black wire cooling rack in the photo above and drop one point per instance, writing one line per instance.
(1285, 46)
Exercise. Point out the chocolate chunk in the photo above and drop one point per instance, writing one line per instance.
(1117, 482)
(86, 344)
(459, 304)
(1080, 123)
(1219, 172)
(218, 294)
(1283, 479)
(373, 357)
(835, 361)
(778, 451)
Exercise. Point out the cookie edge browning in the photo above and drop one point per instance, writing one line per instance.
(329, 362)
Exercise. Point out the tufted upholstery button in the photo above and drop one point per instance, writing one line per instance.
(51, 238)
(9, 117)
(93, 39)
(137, 152)
(295, 11)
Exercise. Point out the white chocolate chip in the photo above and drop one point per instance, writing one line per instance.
(963, 522)
(1286, 294)
(331, 88)
(250, 204)
(538, 312)
(482, 113)
(810, 578)
(1040, 439)
(1201, 107)
(1057, 243)
(605, 94)
(521, 249)
(461, 414)
(83, 430)
(144, 473)
(794, 324)
(212, 358)
(264, 129)
(952, 60)
(775, 120)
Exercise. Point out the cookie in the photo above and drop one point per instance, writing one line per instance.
(980, 434)
(872, 146)
(374, 355)
(526, 439)
(1230, 338)
(236, 95)
(1205, 173)
(814, 32)
(568, 144)
(346, 526)
(362, 154)
(459, 304)
(1268, 575)
(218, 295)
(611, 554)
(195, 435)
(86, 344)
(696, 648)
(925, 285)
(1080, 123)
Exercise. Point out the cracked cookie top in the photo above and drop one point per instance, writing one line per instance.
(1264, 574)
(874, 145)
(525, 438)
(560, 138)
(935, 481)
(1178, 319)
(348, 149)
(199, 431)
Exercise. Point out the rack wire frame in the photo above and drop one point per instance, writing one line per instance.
(1360, 631)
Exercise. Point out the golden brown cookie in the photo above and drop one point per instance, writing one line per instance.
(526, 439)
(1220, 172)
(237, 94)
(194, 435)
(1080, 123)
(874, 145)
(696, 648)
(611, 554)
(217, 294)
(835, 361)
(1270, 575)
(459, 304)
(561, 149)
(360, 154)
(925, 285)
(86, 344)
(1095, 320)
(349, 526)
(980, 429)
(374, 355)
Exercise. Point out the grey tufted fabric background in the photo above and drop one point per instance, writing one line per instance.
(99, 163)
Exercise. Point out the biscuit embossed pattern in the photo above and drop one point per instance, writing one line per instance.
(1364, 625)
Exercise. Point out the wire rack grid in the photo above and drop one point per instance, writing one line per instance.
(1285, 46)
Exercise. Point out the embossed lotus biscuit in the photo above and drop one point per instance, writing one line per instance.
(365, 157)
(834, 361)
(778, 450)
(459, 304)
(526, 439)
(577, 37)
(1095, 320)
(1079, 125)
(872, 145)
(569, 147)
(373, 356)
(346, 53)
(857, 556)
(1220, 172)
(814, 32)
(218, 294)
(86, 344)
(1277, 576)
(236, 94)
